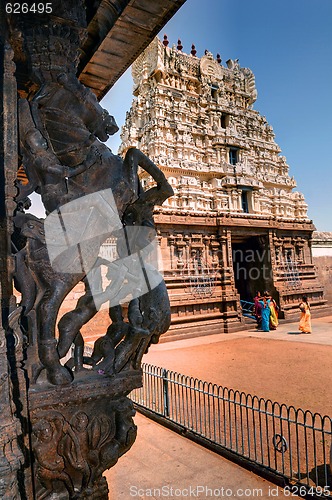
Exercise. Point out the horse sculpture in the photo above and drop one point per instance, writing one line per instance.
(62, 130)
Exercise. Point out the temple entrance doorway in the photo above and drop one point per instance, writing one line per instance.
(251, 265)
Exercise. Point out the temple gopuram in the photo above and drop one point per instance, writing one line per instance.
(235, 225)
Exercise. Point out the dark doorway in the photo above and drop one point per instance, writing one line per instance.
(251, 266)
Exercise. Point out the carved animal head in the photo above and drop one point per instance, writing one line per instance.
(107, 126)
(31, 227)
(110, 124)
(34, 230)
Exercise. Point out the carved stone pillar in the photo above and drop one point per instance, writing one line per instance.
(171, 239)
(187, 257)
(223, 253)
(180, 246)
(11, 457)
(74, 417)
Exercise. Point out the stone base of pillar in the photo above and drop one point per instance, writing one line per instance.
(79, 431)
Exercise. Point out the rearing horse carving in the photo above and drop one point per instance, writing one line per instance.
(62, 130)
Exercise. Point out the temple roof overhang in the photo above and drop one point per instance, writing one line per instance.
(118, 31)
(111, 33)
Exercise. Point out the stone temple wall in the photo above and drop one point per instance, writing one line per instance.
(322, 259)
(324, 274)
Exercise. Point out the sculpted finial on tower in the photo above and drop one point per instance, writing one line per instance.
(233, 64)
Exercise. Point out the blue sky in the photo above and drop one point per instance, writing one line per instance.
(288, 46)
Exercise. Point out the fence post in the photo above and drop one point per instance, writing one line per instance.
(165, 392)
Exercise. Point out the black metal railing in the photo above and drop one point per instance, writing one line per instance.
(293, 443)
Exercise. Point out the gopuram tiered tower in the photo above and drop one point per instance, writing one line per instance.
(235, 224)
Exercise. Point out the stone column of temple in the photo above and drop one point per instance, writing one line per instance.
(171, 240)
(226, 261)
(275, 265)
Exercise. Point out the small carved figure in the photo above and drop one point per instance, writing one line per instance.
(50, 464)
(77, 448)
(126, 430)
(103, 355)
(126, 350)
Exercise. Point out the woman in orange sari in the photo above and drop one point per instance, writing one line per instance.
(305, 319)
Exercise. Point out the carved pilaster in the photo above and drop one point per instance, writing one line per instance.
(272, 250)
(10, 455)
(171, 240)
(215, 250)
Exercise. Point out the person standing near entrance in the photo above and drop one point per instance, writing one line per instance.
(257, 309)
(274, 313)
(305, 319)
(265, 312)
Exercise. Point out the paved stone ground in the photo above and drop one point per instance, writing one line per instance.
(282, 365)
(162, 464)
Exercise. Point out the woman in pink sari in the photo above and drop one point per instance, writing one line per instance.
(257, 309)
(305, 319)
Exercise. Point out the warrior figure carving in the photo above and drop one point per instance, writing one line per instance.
(82, 183)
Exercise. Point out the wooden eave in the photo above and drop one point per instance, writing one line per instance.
(118, 32)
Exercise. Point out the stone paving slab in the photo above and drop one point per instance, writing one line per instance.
(321, 334)
(163, 464)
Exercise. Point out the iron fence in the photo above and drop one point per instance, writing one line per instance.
(293, 443)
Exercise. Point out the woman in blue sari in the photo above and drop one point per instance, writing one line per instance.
(265, 312)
